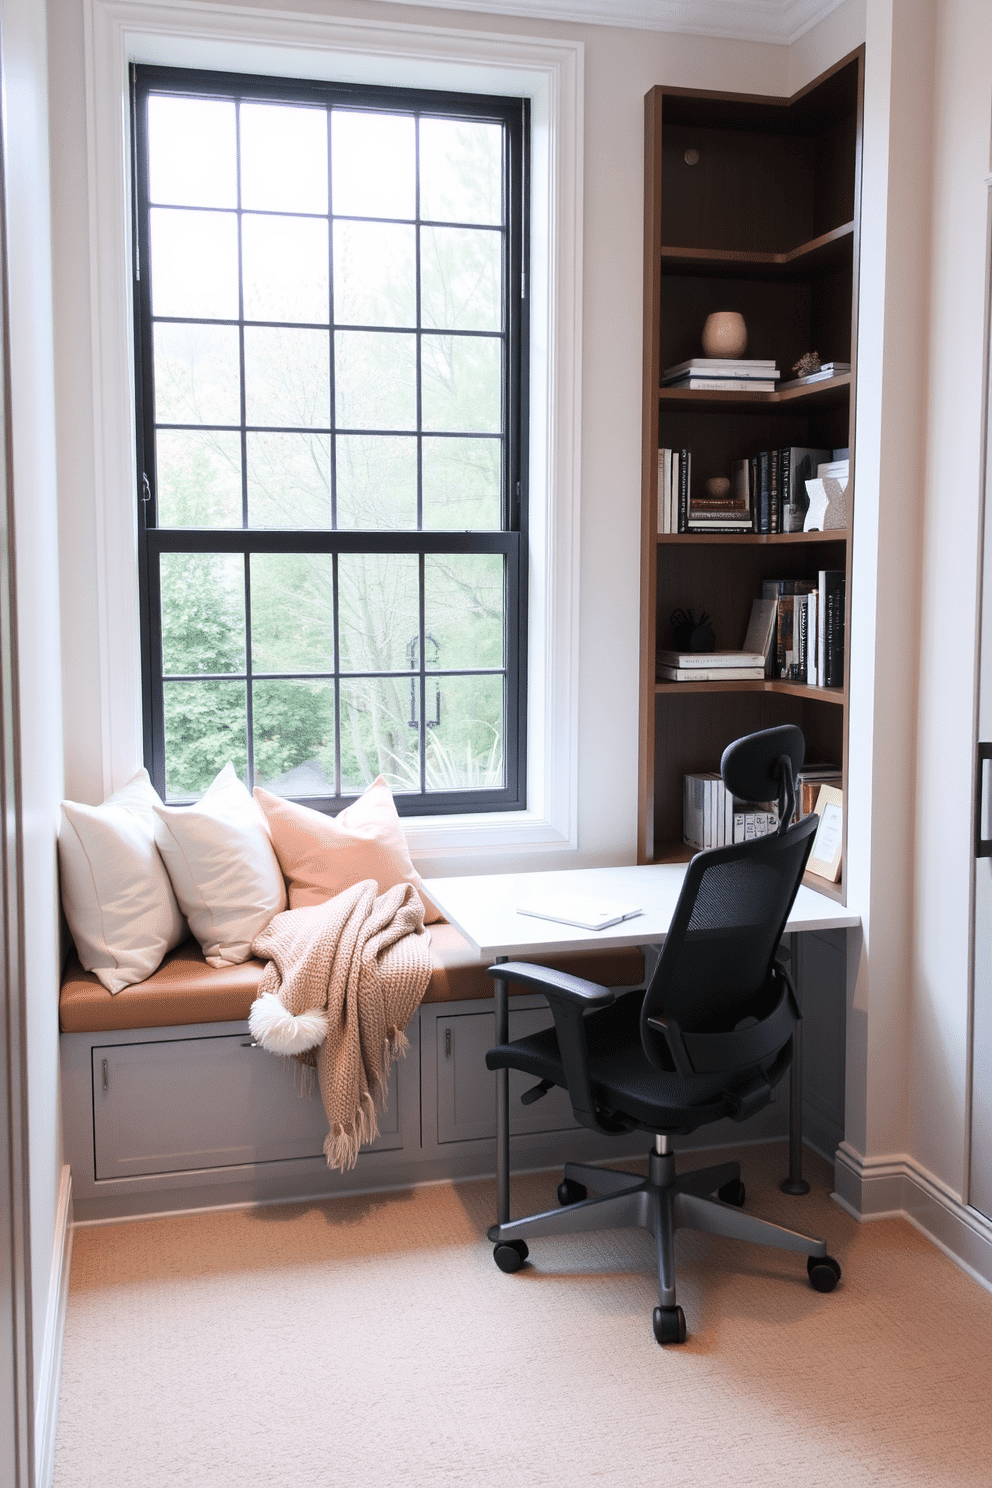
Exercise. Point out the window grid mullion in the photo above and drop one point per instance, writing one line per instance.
(241, 323)
(418, 314)
(335, 623)
(422, 730)
(249, 691)
(331, 337)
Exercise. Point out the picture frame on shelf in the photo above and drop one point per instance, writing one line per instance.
(828, 844)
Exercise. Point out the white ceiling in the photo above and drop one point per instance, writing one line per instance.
(777, 21)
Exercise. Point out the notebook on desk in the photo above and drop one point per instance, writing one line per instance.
(579, 909)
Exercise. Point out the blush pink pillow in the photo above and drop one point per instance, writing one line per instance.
(321, 855)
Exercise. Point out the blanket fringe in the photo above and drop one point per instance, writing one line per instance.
(342, 1143)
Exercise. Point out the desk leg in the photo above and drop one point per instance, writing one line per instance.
(795, 1183)
(502, 1104)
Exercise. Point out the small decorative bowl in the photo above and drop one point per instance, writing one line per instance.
(718, 487)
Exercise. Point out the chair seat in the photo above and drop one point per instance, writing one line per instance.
(623, 1079)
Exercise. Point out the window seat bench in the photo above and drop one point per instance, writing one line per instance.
(186, 990)
(168, 1105)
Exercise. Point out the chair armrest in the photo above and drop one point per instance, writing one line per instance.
(545, 979)
(570, 998)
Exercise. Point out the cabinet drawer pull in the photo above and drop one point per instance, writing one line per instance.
(447, 1043)
(106, 1084)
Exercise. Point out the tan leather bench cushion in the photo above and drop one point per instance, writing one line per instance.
(186, 990)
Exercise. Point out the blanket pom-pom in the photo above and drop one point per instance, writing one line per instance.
(280, 1031)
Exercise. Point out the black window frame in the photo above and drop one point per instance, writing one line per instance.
(511, 541)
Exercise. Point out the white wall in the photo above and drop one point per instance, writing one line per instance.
(35, 557)
(948, 628)
(891, 405)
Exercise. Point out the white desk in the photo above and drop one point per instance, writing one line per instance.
(484, 910)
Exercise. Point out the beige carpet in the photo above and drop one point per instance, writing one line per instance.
(372, 1342)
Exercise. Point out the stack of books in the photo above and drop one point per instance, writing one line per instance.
(712, 817)
(827, 370)
(722, 375)
(710, 666)
(809, 632)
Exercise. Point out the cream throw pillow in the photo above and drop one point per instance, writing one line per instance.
(321, 855)
(116, 894)
(222, 867)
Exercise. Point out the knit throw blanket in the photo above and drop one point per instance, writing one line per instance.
(342, 982)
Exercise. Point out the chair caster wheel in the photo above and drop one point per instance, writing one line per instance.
(733, 1192)
(823, 1273)
(669, 1324)
(570, 1192)
(510, 1255)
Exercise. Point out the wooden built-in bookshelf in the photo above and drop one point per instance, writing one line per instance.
(766, 222)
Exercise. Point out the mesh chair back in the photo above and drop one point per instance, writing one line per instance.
(715, 966)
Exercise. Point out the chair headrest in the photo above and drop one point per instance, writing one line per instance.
(750, 766)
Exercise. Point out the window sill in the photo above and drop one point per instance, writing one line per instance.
(500, 832)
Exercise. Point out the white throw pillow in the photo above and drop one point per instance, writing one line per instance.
(116, 894)
(223, 868)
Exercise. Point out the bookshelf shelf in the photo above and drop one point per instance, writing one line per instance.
(677, 852)
(829, 250)
(833, 393)
(763, 217)
(834, 695)
(749, 539)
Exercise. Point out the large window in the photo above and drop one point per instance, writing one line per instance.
(331, 428)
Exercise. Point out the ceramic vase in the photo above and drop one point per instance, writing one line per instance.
(725, 334)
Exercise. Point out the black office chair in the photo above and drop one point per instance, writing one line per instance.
(711, 1037)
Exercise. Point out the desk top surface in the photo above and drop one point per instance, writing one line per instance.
(485, 908)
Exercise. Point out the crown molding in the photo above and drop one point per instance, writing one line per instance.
(778, 22)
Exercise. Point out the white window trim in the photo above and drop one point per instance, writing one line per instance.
(238, 39)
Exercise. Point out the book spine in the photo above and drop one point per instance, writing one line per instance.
(801, 623)
(684, 490)
(835, 630)
(697, 812)
(784, 486)
(784, 648)
(671, 464)
(764, 491)
(718, 674)
(692, 811)
(812, 626)
(831, 643)
(662, 503)
(754, 481)
(724, 384)
(774, 493)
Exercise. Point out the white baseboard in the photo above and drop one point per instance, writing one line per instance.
(47, 1403)
(898, 1186)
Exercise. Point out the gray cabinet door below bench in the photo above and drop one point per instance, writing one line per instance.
(181, 1104)
(466, 1090)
